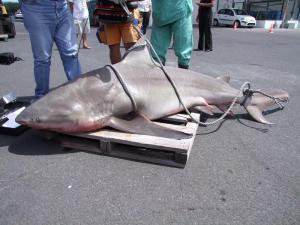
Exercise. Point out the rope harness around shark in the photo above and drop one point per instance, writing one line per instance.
(124, 85)
(245, 89)
(248, 92)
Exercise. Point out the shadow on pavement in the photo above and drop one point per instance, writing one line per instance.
(241, 118)
(33, 143)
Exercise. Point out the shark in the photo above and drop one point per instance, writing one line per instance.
(129, 95)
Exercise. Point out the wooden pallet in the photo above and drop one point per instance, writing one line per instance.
(158, 150)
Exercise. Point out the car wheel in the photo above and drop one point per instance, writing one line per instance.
(236, 23)
(216, 23)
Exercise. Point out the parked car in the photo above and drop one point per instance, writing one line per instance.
(18, 15)
(233, 17)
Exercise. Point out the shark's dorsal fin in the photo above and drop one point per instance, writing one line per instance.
(225, 78)
(138, 54)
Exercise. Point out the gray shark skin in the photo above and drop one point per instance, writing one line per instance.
(97, 99)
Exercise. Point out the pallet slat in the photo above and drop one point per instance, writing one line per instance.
(165, 151)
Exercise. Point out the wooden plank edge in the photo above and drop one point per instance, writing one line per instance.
(127, 152)
(169, 144)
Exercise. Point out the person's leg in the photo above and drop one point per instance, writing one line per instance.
(201, 32)
(160, 39)
(39, 20)
(86, 30)
(183, 40)
(142, 18)
(114, 53)
(65, 39)
(147, 20)
(146, 17)
(77, 28)
(84, 41)
(208, 36)
(113, 40)
(129, 45)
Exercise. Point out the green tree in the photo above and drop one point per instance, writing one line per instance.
(11, 7)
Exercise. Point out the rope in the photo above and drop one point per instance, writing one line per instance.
(247, 92)
(120, 78)
(160, 65)
(277, 100)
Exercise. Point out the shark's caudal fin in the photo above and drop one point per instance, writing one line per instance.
(258, 103)
(141, 125)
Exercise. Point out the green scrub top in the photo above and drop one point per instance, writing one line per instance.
(168, 11)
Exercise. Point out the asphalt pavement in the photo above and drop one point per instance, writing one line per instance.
(239, 172)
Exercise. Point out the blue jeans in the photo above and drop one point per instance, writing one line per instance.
(49, 21)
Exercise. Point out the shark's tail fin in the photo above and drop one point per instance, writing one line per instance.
(263, 100)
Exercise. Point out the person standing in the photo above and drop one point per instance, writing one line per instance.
(49, 21)
(145, 12)
(204, 19)
(117, 30)
(173, 18)
(79, 9)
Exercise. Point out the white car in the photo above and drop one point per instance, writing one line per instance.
(18, 15)
(233, 17)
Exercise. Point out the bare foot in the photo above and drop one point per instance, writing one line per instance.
(86, 47)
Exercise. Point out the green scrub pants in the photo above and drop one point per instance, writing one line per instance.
(182, 32)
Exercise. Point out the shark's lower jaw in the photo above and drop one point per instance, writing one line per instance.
(72, 127)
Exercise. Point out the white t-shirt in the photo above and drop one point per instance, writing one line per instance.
(80, 9)
(144, 6)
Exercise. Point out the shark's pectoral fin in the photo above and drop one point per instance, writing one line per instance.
(142, 125)
(256, 113)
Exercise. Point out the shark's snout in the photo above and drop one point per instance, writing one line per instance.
(41, 115)
(29, 116)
